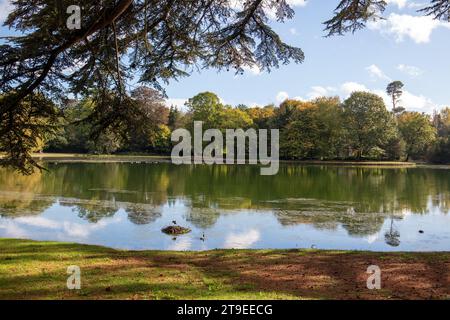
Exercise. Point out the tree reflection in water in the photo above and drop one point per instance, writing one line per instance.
(358, 199)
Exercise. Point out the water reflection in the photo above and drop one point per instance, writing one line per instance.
(125, 205)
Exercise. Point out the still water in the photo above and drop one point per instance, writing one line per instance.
(325, 207)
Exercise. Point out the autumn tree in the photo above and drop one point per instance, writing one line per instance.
(261, 117)
(235, 118)
(284, 113)
(150, 118)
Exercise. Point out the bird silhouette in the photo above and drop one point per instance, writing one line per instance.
(203, 238)
(174, 222)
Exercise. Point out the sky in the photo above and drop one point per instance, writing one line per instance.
(406, 46)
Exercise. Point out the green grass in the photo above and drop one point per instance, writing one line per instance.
(37, 270)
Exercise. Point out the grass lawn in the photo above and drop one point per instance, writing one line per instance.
(37, 270)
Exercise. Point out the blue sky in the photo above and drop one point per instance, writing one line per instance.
(406, 46)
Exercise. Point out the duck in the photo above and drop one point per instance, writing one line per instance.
(174, 222)
(203, 238)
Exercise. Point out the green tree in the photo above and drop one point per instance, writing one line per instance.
(301, 134)
(331, 142)
(206, 107)
(174, 118)
(233, 118)
(33, 122)
(75, 135)
(441, 122)
(284, 113)
(314, 130)
(160, 139)
(418, 132)
(156, 39)
(369, 125)
(440, 151)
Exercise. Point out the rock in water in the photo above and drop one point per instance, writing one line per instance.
(175, 230)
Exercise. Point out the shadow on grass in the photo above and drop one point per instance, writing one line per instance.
(35, 270)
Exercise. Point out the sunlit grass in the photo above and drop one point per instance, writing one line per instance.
(38, 270)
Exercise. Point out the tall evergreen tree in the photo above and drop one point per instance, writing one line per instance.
(395, 91)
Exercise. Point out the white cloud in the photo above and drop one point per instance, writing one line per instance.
(177, 102)
(400, 3)
(182, 244)
(12, 230)
(65, 230)
(242, 240)
(416, 5)
(348, 88)
(282, 96)
(293, 3)
(376, 72)
(317, 91)
(38, 222)
(410, 70)
(418, 28)
(5, 9)
(408, 100)
(417, 102)
(254, 70)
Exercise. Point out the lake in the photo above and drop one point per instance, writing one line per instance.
(125, 205)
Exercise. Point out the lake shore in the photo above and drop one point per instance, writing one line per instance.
(37, 270)
(125, 158)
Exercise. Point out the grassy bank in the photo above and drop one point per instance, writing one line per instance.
(89, 158)
(37, 270)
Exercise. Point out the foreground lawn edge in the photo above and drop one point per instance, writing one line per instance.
(38, 270)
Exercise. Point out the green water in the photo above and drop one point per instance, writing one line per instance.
(126, 205)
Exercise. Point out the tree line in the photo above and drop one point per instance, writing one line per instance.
(358, 128)
(152, 41)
